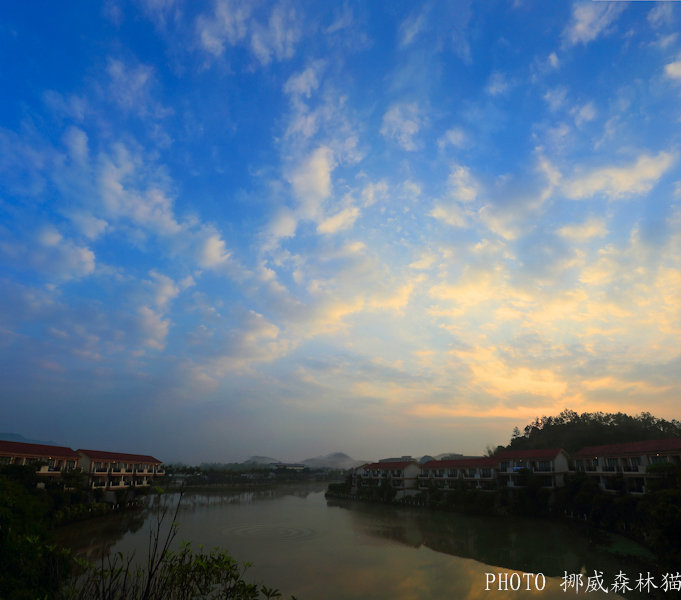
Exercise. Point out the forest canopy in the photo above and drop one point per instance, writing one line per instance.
(572, 431)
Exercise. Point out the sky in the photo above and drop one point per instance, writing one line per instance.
(287, 228)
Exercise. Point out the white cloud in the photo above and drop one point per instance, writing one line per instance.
(311, 181)
(76, 141)
(411, 27)
(584, 114)
(590, 20)
(424, 261)
(89, 225)
(228, 24)
(272, 37)
(165, 289)
(582, 232)
(214, 252)
(452, 137)
(373, 192)
(344, 219)
(53, 255)
(617, 182)
(278, 38)
(150, 208)
(153, 327)
(303, 83)
(497, 84)
(463, 186)
(256, 341)
(661, 14)
(463, 190)
(130, 88)
(673, 70)
(553, 60)
(555, 98)
(402, 122)
(283, 225)
(450, 214)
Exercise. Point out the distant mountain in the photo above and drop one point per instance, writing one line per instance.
(261, 460)
(15, 437)
(335, 460)
(450, 456)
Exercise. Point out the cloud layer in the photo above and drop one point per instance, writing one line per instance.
(233, 228)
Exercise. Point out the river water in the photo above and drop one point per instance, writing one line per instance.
(319, 549)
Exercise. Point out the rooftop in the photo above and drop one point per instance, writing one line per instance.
(37, 450)
(644, 447)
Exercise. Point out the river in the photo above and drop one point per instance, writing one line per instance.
(319, 549)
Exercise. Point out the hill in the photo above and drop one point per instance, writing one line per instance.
(572, 431)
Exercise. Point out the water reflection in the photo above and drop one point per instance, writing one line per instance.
(93, 539)
(512, 543)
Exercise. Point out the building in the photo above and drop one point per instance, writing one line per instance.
(475, 472)
(287, 466)
(401, 475)
(116, 470)
(549, 465)
(52, 461)
(627, 464)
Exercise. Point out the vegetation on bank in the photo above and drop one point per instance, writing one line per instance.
(239, 474)
(35, 568)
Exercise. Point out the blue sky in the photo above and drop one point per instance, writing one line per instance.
(289, 228)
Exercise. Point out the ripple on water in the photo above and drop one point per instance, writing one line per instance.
(263, 531)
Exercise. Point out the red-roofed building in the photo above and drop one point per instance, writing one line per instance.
(56, 459)
(117, 470)
(550, 465)
(401, 474)
(629, 461)
(475, 472)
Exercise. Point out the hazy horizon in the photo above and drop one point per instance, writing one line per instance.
(231, 228)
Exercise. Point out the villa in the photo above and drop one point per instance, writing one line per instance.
(104, 470)
(53, 460)
(614, 464)
(116, 470)
(401, 475)
(550, 465)
(477, 472)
